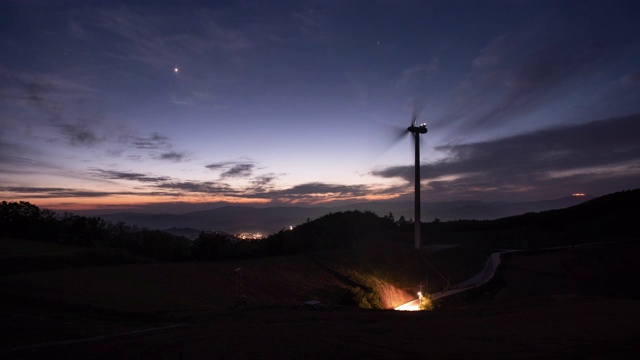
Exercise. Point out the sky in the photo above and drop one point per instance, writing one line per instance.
(174, 106)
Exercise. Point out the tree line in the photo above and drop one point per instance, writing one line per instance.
(23, 220)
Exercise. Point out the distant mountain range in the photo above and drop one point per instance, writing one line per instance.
(267, 220)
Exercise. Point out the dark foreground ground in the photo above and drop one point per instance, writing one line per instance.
(542, 328)
(540, 306)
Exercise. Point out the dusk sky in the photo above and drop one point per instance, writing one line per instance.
(108, 104)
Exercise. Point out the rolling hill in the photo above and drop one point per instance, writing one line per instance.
(267, 220)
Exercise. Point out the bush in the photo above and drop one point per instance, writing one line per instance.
(426, 302)
(366, 299)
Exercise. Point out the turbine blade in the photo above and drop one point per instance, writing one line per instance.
(395, 132)
(384, 137)
(400, 134)
(418, 106)
(396, 135)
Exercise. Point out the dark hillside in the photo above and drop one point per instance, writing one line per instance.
(334, 230)
(608, 218)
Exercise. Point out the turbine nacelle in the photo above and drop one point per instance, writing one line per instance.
(422, 129)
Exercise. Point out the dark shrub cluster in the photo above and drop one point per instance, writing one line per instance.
(22, 220)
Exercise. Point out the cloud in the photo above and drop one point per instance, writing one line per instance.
(429, 68)
(157, 186)
(37, 95)
(154, 141)
(544, 71)
(45, 192)
(54, 100)
(77, 31)
(147, 39)
(43, 92)
(200, 187)
(158, 147)
(170, 186)
(594, 156)
(126, 175)
(15, 157)
(415, 79)
(175, 156)
(233, 169)
(316, 192)
(527, 72)
(79, 134)
(313, 24)
(263, 183)
(208, 49)
(491, 54)
(238, 170)
(46, 95)
(230, 39)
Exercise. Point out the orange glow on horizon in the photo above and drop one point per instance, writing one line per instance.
(319, 199)
(142, 200)
(124, 202)
(578, 194)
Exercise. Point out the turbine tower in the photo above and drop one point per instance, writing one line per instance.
(416, 131)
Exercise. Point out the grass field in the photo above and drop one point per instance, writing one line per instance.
(576, 303)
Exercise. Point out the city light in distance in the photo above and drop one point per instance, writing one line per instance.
(250, 236)
(256, 235)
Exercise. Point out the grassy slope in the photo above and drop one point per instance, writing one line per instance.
(71, 297)
(42, 306)
(62, 274)
(77, 302)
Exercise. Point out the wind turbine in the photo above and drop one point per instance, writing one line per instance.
(416, 131)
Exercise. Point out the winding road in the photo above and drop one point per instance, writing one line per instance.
(479, 279)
